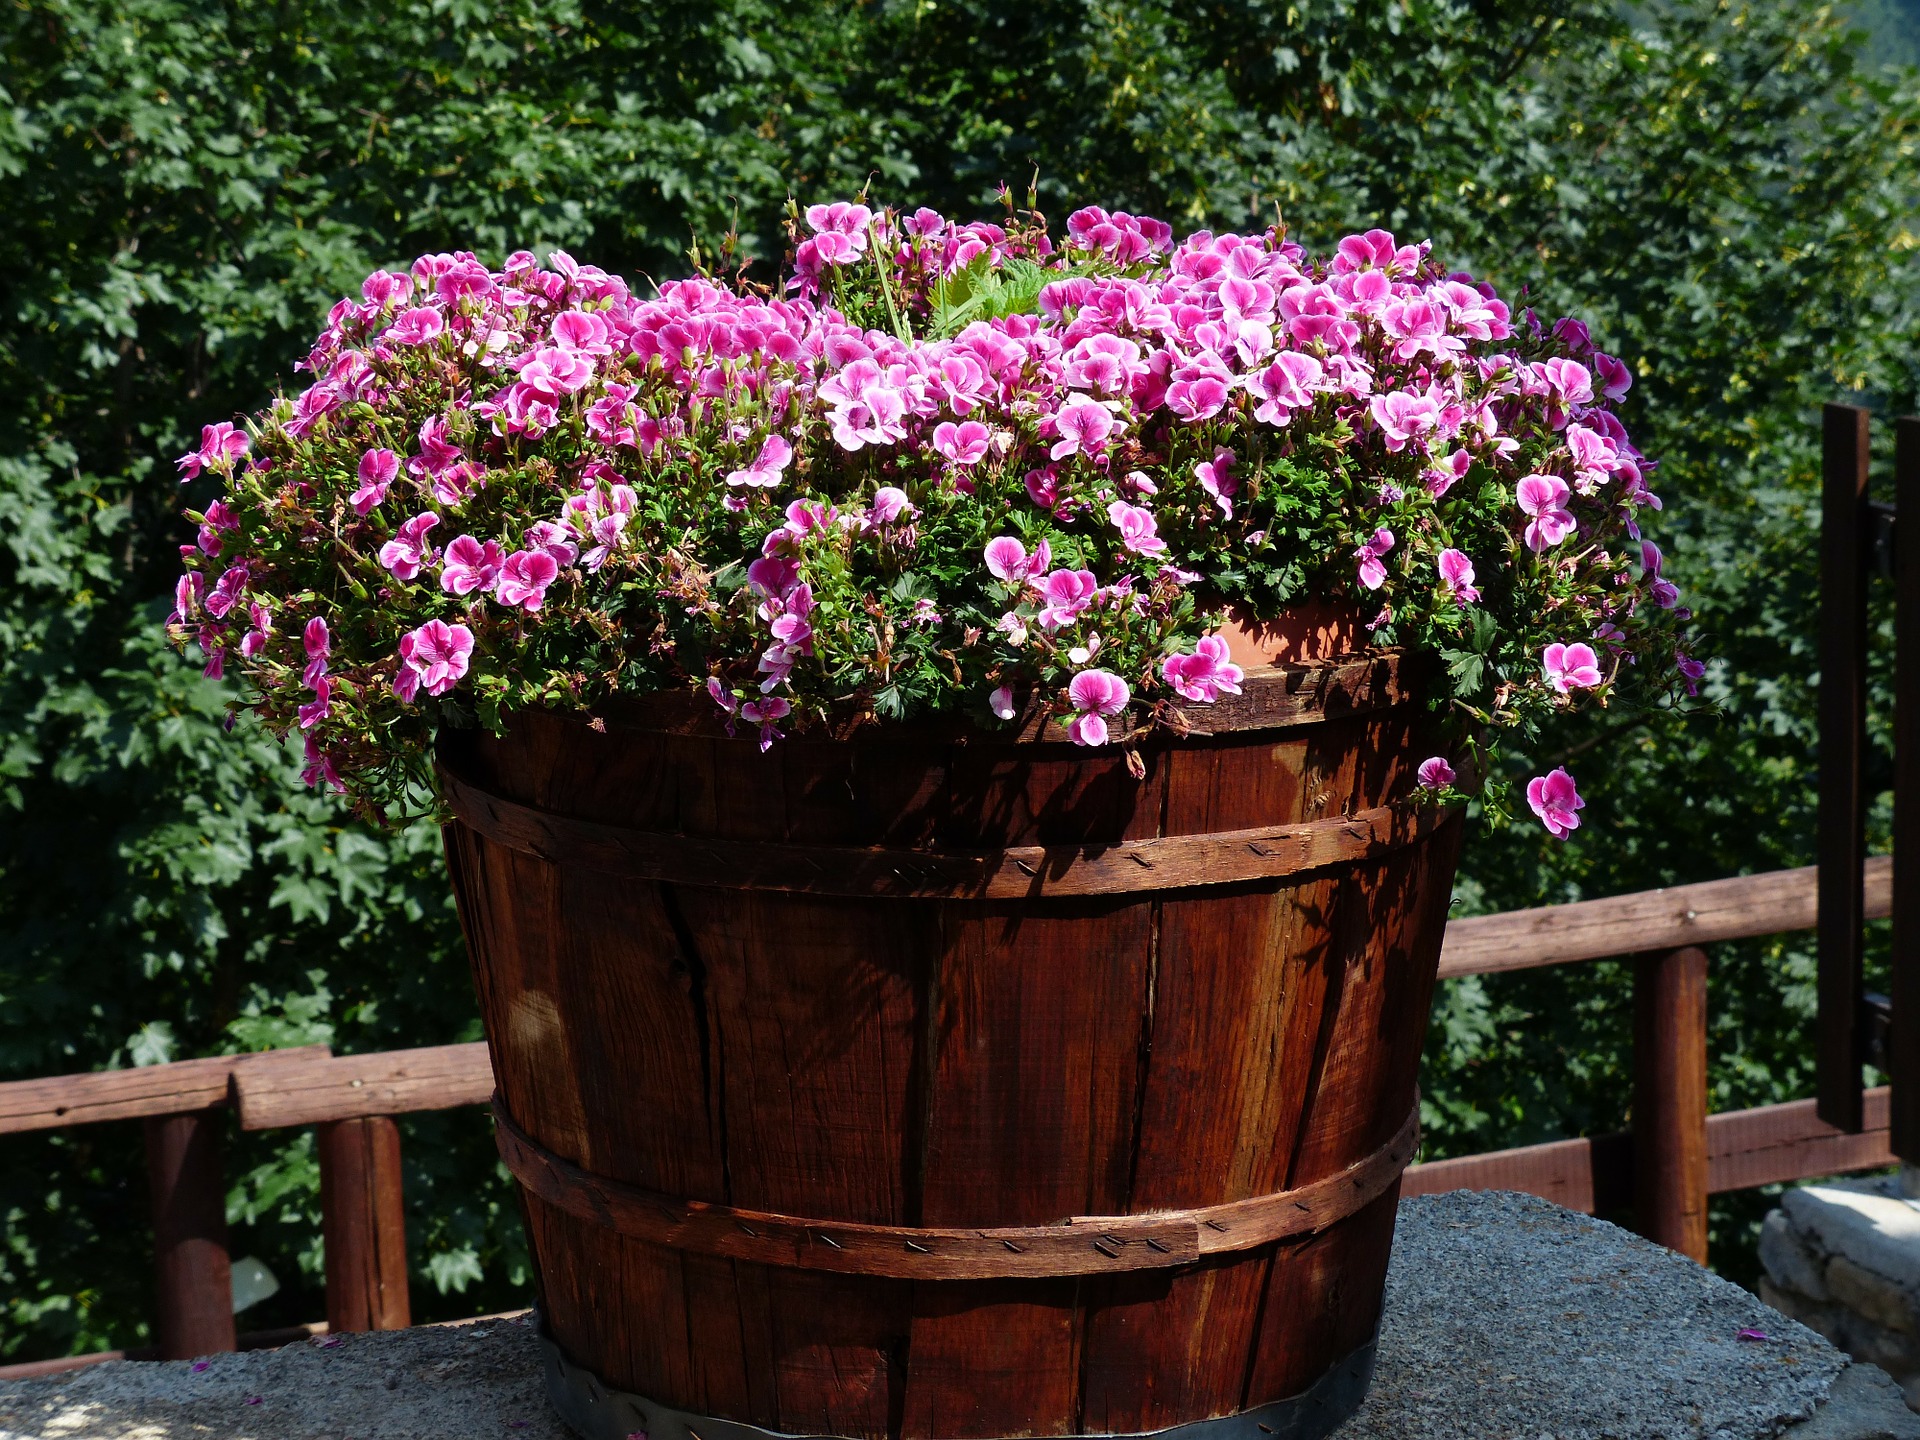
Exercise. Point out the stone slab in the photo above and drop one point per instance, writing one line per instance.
(1866, 1220)
(1508, 1318)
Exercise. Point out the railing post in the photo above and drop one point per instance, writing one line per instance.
(1903, 1040)
(363, 1221)
(1670, 1100)
(189, 1195)
(1840, 1048)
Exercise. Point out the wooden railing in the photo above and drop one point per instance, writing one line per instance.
(1675, 1156)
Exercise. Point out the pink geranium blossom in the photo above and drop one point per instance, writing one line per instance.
(1456, 576)
(378, 469)
(524, 578)
(1067, 594)
(320, 707)
(1543, 500)
(1556, 801)
(1007, 559)
(1095, 694)
(220, 446)
(318, 644)
(767, 467)
(1139, 532)
(1083, 426)
(890, 503)
(1571, 667)
(963, 444)
(408, 551)
(471, 566)
(1435, 773)
(1216, 478)
(1373, 573)
(1206, 674)
(436, 656)
(416, 327)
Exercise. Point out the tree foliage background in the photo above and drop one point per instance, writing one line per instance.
(1721, 187)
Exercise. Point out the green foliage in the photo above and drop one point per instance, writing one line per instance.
(1725, 192)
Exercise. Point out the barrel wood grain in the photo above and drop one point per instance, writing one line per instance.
(964, 1061)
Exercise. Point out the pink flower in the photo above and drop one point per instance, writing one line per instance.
(1216, 478)
(1456, 576)
(765, 471)
(1571, 381)
(555, 372)
(1435, 772)
(319, 770)
(1555, 800)
(1007, 559)
(524, 578)
(227, 591)
(1373, 574)
(843, 217)
(1000, 702)
(868, 409)
(581, 330)
(1197, 397)
(1083, 426)
(555, 538)
(1404, 417)
(1043, 487)
(436, 655)
(763, 713)
(610, 419)
(1095, 694)
(220, 518)
(187, 593)
(318, 644)
(889, 504)
(1691, 671)
(415, 327)
(1615, 378)
(471, 566)
(220, 446)
(320, 706)
(1283, 387)
(1543, 498)
(1139, 532)
(1571, 667)
(1205, 675)
(1067, 593)
(408, 551)
(383, 288)
(378, 469)
(964, 444)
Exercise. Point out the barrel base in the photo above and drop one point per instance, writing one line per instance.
(594, 1412)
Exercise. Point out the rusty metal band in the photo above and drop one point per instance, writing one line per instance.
(1083, 1245)
(1164, 863)
(594, 1410)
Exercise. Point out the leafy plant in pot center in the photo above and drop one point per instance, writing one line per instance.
(951, 773)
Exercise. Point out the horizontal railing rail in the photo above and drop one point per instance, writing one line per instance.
(1675, 1156)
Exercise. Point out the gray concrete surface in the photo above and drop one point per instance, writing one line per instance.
(1508, 1318)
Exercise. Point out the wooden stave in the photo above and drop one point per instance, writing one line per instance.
(1021, 1322)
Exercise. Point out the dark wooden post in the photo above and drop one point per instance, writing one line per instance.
(189, 1193)
(1903, 1039)
(1841, 1049)
(363, 1220)
(1670, 1100)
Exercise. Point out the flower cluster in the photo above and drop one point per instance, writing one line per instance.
(959, 467)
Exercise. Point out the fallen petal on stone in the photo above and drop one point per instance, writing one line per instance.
(1753, 1335)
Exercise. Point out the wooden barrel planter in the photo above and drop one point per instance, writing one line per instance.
(941, 1085)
